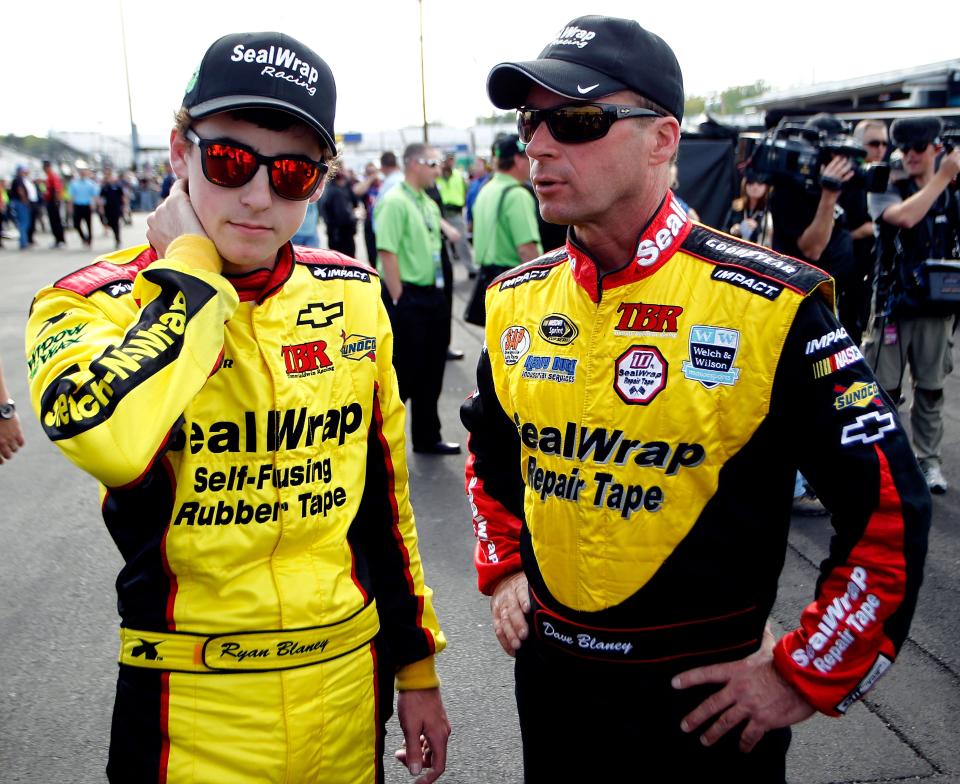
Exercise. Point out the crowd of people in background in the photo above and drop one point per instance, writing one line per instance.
(61, 197)
(834, 228)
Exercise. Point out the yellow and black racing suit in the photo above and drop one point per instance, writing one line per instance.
(634, 440)
(248, 437)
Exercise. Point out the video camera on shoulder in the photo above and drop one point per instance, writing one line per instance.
(796, 152)
(950, 138)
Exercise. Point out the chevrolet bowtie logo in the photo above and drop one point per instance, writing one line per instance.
(319, 314)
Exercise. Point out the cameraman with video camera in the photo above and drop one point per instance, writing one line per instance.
(816, 222)
(918, 282)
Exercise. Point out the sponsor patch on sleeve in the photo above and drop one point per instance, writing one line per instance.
(752, 282)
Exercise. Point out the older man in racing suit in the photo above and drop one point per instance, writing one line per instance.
(643, 401)
(235, 397)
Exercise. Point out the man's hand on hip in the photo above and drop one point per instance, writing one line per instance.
(753, 692)
(509, 604)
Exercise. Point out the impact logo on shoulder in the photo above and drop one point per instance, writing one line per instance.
(514, 343)
(280, 63)
(713, 350)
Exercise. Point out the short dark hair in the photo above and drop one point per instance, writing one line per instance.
(388, 160)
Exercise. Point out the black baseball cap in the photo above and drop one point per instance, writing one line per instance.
(507, 146)
(828, 123)
(916, 130)
(264, 71)
(591, 57)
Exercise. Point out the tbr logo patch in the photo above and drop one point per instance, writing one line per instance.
(859, 394)
(319, 314)
(541, 368)
(514, 343)
(558, 329)
(835, 362)
(356, 347)
(713, 351)
(868, 428)
(307, 359)
(639, 318)
(641, 375)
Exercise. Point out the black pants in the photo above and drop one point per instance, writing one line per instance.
(421, 332)
(81, 215)
(56, 225)
(580, 724)
(342, 240)
(113, 221)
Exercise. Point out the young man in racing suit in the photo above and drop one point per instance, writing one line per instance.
(234, 396)
(645, 397)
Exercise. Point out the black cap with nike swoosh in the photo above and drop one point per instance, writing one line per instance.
(591, 57)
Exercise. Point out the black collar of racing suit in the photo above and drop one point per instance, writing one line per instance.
(657, 242)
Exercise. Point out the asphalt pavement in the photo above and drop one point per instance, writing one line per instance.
(58, 609)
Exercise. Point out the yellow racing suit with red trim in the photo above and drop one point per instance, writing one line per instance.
(634, 439)
(248, 437)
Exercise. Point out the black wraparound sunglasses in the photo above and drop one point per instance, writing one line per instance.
(577, 122)
(231, 164)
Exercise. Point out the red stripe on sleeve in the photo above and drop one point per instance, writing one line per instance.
(497, 553)
(841, 632)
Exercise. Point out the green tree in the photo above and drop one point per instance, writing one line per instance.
(496, 119)
(694, 105)
(732, 98)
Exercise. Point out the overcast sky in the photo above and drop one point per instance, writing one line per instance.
(63, 59)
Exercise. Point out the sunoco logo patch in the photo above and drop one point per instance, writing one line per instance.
(713, 351)
(558, 329)
(357, 347)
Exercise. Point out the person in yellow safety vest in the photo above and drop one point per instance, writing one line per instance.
(453, 193)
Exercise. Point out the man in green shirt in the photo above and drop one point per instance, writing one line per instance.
(452, 186)
(408, 254)
(505, 231)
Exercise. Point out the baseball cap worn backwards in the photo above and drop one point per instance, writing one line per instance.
(913, 130)
(591, 57)
(264, 71)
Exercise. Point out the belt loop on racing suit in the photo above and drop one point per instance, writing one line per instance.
(254, 651)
